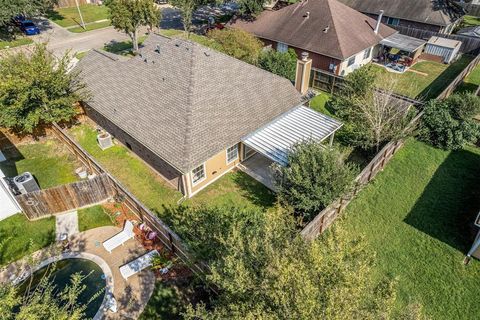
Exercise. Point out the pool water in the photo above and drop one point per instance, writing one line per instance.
(61, 275)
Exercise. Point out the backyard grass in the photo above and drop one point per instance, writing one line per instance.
(432, 79)
(417, 215)
(90, 27)
(320, 103)
(68, 17)
(21, 41)
(470, 21)
(123, 48)
(93, 217)
(233, 188)
(49, 161)
(471, 82)
(19, 237)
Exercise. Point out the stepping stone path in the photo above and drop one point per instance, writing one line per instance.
(66, 225)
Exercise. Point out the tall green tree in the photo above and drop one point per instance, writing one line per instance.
(283, 64)
(187, 8)
(265, 270)
(129, 15)
(29, 8)
(313, 178)
(251, 7)
(449, 123)
(37, 89)
(237, 43)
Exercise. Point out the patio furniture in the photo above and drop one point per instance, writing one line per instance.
(120, 238)
(138, 264)
(111, 304)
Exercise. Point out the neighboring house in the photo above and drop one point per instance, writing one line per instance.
(337, 38)
(187, 110)
(438, 15)
(470, 31)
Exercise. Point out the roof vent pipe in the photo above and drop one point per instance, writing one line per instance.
(306, 15)
(326, 29)
(379, 21)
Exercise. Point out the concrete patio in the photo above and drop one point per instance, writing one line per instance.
(131, 295)
(259, 168)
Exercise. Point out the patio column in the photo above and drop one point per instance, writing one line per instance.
(331, 139)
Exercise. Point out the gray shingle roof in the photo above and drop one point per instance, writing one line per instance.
(439, 12)
(187, 102)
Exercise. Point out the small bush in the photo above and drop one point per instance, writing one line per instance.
(237, 43)
(313, 178)
(283, 64)
(448, 124)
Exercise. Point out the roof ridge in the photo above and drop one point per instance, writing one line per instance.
(330, 9)
(189, 112)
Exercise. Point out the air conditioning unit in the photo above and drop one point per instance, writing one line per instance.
(104, 140)
(26, 183)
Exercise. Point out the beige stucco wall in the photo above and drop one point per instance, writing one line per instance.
(215, 167)
(344, 69)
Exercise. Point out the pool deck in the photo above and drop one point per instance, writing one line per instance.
(131, 295)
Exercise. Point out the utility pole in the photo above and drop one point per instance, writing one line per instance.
(80, 14)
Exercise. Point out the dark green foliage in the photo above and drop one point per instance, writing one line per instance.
(448, 124)
(250, 7)
(237, 43)
(37, 89)
(280, 63)
(313, 178)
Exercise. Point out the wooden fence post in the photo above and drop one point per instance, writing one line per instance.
(170, 240)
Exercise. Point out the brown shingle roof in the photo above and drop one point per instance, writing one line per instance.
(186, 103)
(440, 12)
(349, 31)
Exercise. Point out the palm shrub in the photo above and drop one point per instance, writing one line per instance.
(449, 123)
(313, 178)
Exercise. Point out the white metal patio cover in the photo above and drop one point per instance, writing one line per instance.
(403, 42)
(275, 139)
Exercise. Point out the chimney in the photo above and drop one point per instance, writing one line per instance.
(379, 20)
(302, 74)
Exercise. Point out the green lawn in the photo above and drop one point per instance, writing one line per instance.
(470, 21)
(93, 217)
(20, 41)
(319, 103)
(123, 48)
(471, 82)
(233, 188)
(417, 215)
(21, 237)
(68, 17)
(434, 79)
(49, 161)
(90, 27)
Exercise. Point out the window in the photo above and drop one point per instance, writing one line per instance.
(232, 153)
(366, 54)
(198, 174)
(282, 47)
(351, 61)
(393, 21)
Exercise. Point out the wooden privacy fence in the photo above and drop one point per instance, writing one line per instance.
(169, 238)
(326, 217)
(43, 203)
(470, 45)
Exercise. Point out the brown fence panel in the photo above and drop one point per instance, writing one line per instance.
(47, 202)
(70, 3)
(169, 238)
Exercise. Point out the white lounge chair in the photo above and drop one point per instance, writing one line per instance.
(120, 238)
(138, 264)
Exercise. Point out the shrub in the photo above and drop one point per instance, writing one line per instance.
(313, 178)
(280, 63)
(237, 43)
(448, 124)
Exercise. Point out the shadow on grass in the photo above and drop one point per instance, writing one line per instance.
(466, 87)
(450, 202)
(54, 15)
(444, 79)
(12, 154)
(253, 190)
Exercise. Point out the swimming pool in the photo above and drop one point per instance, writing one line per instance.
(61, 274)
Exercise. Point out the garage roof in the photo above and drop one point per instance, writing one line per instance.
(275, 139)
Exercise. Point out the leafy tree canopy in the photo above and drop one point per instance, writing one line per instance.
(251, 7)
(449, 124)
(237, 43)
(283, 64)
(129, 15)
(37, 89)
(265, 270)
(313, 178)
(29, 8)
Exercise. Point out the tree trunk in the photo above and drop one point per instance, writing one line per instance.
(135, 40)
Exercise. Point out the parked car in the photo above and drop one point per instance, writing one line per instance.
(29, 28)
(17, 20)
